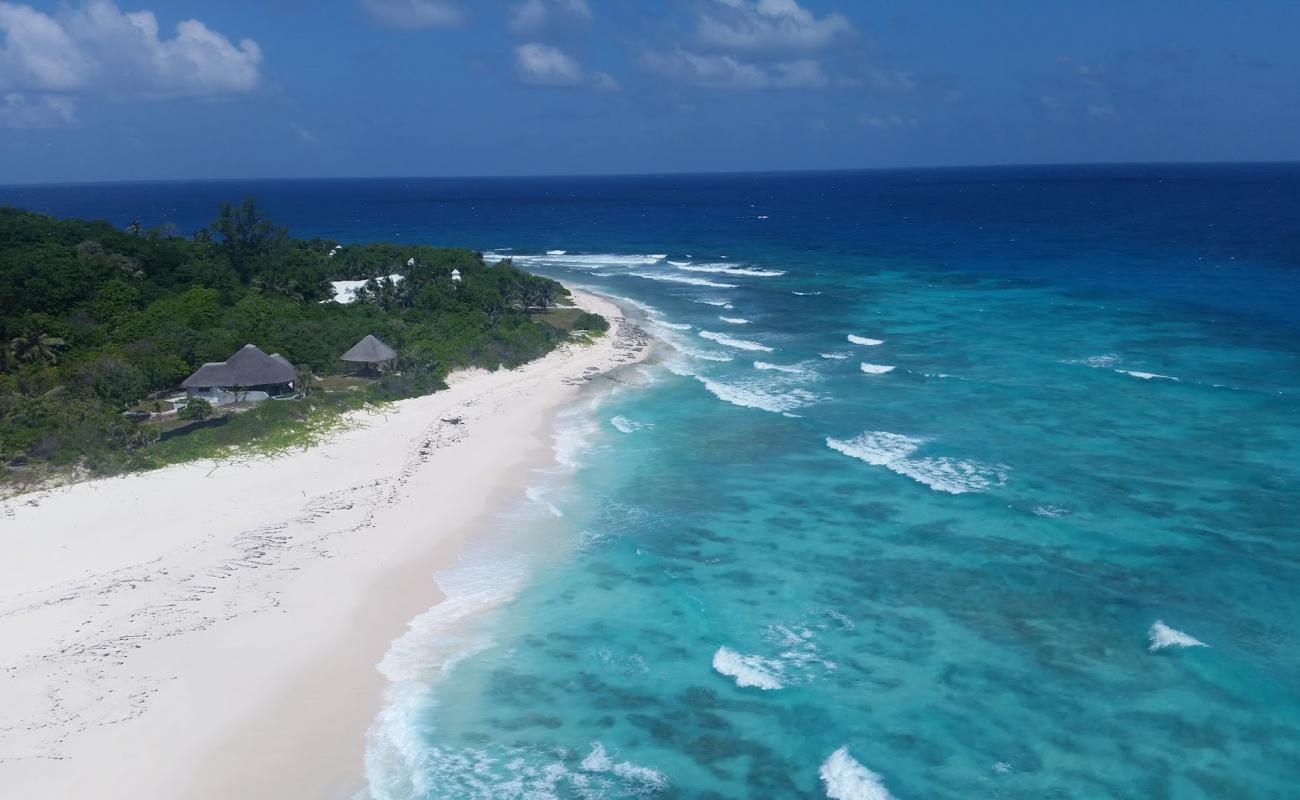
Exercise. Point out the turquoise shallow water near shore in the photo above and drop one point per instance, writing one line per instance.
(921, 461)
(951, 568)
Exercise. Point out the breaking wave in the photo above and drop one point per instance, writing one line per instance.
(847, 779)
(1162, 636)
(1146, 376)
(756, 395)
(876, 369)
(729, 269)
(739, 344)
(652, 276)
(864, 341)
(748, 670)
(894, 452)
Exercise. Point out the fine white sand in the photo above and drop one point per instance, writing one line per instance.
(211, 630)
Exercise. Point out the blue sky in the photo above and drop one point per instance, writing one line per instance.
(166, 89)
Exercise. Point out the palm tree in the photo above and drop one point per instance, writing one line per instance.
(35, 347)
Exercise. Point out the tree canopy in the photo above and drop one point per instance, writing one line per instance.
(93, 318)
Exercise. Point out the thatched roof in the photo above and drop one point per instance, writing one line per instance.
(370, 351)
(248, 367)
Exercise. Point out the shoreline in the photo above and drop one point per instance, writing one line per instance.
(214, 629)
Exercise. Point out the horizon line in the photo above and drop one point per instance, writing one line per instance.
(677, 174)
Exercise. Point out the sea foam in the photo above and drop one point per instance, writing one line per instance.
(734, 320)
(1146, 376)
(643, 778)
(1162, 636)
(739, 344)
(789, 369)
(751, 395)
(876, 369)
(747, 670)
(729, 269)
(894, 452)
(846, 779)
(625, 425)
(651, 276)
(864, 341)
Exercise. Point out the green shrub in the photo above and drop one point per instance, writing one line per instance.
(195, 408)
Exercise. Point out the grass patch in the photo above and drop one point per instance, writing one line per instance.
(572, 319)
(269, 429)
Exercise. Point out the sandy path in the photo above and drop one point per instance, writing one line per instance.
(212, 629)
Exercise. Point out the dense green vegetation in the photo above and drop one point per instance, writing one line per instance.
(94, 319)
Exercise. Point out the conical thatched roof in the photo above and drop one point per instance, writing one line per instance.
(370, 351)
(248, 367)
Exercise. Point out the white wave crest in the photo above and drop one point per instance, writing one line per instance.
(880, 448)
(557, 252)
(579, 261)
(651, 276)
(715, 302)
(1146, 376)
(876, 369)
(644, 778)
(677, 326)
(864, 341)
(747, 670)
(1162, 636)
(807, 294)
(734, 320)
(846, 779)
(837, 356)
(758, 396)
(893, 451)
(729, 269)
(739, 344)
(790, 369)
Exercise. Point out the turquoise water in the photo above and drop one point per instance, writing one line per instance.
(763, 570)
(950, 568)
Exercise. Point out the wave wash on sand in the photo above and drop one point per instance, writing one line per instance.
(201, 611)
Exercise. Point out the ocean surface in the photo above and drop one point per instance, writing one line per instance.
(940, 484)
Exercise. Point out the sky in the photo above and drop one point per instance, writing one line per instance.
(94, 90)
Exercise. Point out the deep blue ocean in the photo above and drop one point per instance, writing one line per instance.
(940, 484)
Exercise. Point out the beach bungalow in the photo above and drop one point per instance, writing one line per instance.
(455, 276)
(371, 352)
(250, 375)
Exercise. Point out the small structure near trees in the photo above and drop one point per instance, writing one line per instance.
(248, 375)
(371, 353)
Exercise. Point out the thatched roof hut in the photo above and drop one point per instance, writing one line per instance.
(369, 350)
(248, 367)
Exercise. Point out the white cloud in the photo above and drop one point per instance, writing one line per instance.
(728, 72)
(881, 122)
(531, 16)
(768, 25)
(543, 65)
(99, 47)
(45, 112)
(892, 80)
(1101, 111)
(604, 82)
(306, 135)
(415, 14)
(37, 52)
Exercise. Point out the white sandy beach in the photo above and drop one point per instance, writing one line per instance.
(211, 630)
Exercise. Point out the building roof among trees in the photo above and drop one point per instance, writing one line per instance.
(370, 350)
(248, 367)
